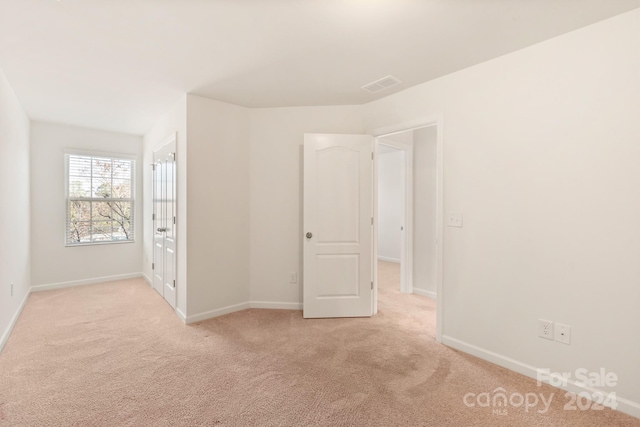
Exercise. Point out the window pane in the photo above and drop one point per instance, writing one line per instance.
(79, 186)
(101, 187)
(101, 211)
(122, 169)
(79, 211)
(80, 166)
(79, 232)
(121, 189)
(121, 210)
(101, 231)
(122, 230)
(101, 167)
(122, 220)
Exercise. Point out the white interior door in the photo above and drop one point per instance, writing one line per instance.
(164, 220)
(338, 225)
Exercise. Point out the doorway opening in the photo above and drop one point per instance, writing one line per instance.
(408, 206)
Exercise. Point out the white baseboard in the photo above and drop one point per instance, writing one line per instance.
(238, 307)
(624, 405)
(12, 323)
(276, 305)
(181, 315)
(147, 279)
(384, 258)
(424, 293)
(628, 407)
(60, 285)
(215, 313)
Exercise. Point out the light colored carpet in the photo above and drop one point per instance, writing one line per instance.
(114, 354)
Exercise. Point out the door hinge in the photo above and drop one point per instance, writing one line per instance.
(174, 220)
(153, 166)
(153, 266)
(153, 217)
(174, 156)
(174, 283)
(371, 285)
(371, 156)
(371, 220)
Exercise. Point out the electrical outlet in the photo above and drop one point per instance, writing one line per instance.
(563, 333)
(545, 329)
(293, 277)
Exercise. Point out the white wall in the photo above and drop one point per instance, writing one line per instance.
(541, 154)
(217, 205)
(391, 204)
(277, 136)
(424, 209)
(52, 262)
(173, 122)
(15, 213)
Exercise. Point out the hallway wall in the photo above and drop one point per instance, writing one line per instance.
(391, 204)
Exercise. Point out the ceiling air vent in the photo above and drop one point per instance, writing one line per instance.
(381, 84)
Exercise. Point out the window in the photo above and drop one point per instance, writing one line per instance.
(100, 204)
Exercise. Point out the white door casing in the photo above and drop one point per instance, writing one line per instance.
(338, 216)
(164, 220)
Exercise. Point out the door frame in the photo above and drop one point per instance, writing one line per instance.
(436, 121)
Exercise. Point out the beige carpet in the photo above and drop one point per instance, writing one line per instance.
(114, 354)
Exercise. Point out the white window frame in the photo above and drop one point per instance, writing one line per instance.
(100, 154)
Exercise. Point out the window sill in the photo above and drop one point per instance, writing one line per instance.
(115, 242)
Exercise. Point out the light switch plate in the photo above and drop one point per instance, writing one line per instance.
(454, 219)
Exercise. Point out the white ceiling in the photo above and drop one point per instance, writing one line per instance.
(120, 64)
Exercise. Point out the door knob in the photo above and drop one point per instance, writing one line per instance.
(162, 229)
(309, 235)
